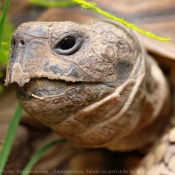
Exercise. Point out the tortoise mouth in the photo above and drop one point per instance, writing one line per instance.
(44, 88)
(62, 93)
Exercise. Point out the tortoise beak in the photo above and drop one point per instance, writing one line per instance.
(13, 69)
(36, 60)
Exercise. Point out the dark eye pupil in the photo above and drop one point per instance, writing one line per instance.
(67, 43)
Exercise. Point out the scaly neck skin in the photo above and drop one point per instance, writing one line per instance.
(133, 116)
(154, 111)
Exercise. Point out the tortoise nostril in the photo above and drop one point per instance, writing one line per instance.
(13, 43)
(21, 42)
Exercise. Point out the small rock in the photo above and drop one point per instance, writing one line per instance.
(167, 157)
(159, 152)
(171, 164)
(171, 135)
(149, 161)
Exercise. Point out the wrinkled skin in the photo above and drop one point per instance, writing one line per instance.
(104, 91)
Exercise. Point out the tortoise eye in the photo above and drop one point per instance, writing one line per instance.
(68, 45)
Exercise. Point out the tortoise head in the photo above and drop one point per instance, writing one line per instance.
(81, 80)
(71, 52)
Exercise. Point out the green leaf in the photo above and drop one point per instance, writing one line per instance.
(6, 147)
(3, 20)
(50, 4)
(93, 7)
(37, 156)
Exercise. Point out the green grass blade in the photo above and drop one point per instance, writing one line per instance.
(7, 2)
(37, 156)
(6, 32)
(50, 4)
(93, 7)
(10, 137)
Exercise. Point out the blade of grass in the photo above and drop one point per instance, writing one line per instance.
(10, 137)
(37, 156)
(93, 7)
(7, 2)
(5, 37)
(50, 4)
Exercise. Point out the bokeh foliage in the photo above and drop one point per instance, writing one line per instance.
(7, 33)
(6, 38)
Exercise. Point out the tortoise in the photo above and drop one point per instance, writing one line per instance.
(97, 87)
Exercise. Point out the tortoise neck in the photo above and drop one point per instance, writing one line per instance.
(154, 110)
